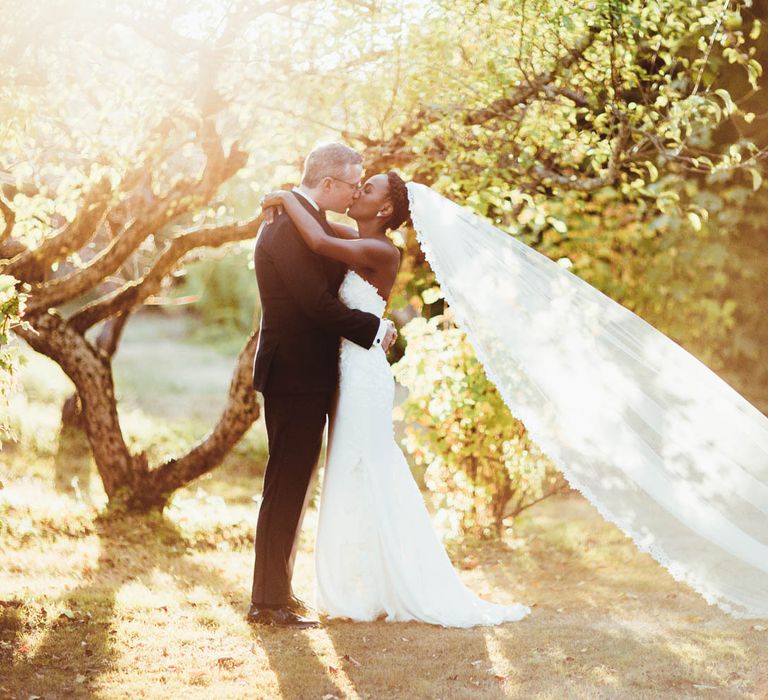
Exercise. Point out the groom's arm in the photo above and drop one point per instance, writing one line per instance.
(302, 273)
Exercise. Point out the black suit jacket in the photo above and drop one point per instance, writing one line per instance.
(302, 319)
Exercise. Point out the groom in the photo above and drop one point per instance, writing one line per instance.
(296, 370)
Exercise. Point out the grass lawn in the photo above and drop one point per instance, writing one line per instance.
(123, 606)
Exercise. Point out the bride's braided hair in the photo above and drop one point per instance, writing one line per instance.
(398, 194)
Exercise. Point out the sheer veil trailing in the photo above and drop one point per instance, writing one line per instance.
(658, 443)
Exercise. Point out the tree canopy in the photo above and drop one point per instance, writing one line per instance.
(623, 136)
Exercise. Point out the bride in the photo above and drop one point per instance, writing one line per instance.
(377, 554)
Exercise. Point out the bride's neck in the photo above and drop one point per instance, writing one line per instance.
(371, 229)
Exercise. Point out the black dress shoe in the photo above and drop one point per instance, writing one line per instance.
(299, 607)
(279, 617)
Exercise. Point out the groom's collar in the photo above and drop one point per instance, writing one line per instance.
(300, 190)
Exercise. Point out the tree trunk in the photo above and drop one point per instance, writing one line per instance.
(127, 479)
(107, 342)
(91, 373)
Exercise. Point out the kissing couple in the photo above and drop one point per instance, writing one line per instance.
(322, 355)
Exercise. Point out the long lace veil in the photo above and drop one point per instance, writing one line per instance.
(656, 441)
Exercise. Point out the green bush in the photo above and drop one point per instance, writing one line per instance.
(224, 289)
(481, 466)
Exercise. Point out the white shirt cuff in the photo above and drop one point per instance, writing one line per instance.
(379, 339)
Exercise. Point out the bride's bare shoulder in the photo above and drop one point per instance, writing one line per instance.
(344, 231)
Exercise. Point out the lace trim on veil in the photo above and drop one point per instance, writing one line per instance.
(677, 569)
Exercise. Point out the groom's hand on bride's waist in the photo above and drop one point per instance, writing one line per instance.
(390, 336)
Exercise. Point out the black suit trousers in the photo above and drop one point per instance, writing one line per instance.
(295, 424)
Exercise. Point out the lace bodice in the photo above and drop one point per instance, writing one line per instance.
(362, 369)
(359, 293)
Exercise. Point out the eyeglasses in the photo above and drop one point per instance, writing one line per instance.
(354, 185)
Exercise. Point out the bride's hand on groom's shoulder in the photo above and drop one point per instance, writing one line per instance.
(272, 205)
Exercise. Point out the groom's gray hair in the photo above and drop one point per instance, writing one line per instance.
(328, 160)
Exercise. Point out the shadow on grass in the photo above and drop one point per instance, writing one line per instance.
(299, 670)
(585, 649)
(407, 659)
(567, 657)
(79, 645)
(12, 624)
(72, 463)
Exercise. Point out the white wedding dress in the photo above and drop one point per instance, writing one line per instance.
(377, 554)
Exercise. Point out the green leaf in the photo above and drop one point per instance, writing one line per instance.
(559, 225)
(730, 106)
(695, 220)
(430, 296)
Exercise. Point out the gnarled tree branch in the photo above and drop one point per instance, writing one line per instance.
(32, 265)
(135, 292)
(9, 217)
(241, 411)
(588, 184)
(162, 212)
(396, 151)
(503, 106)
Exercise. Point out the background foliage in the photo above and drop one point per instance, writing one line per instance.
(625, 137)
(481, 466)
